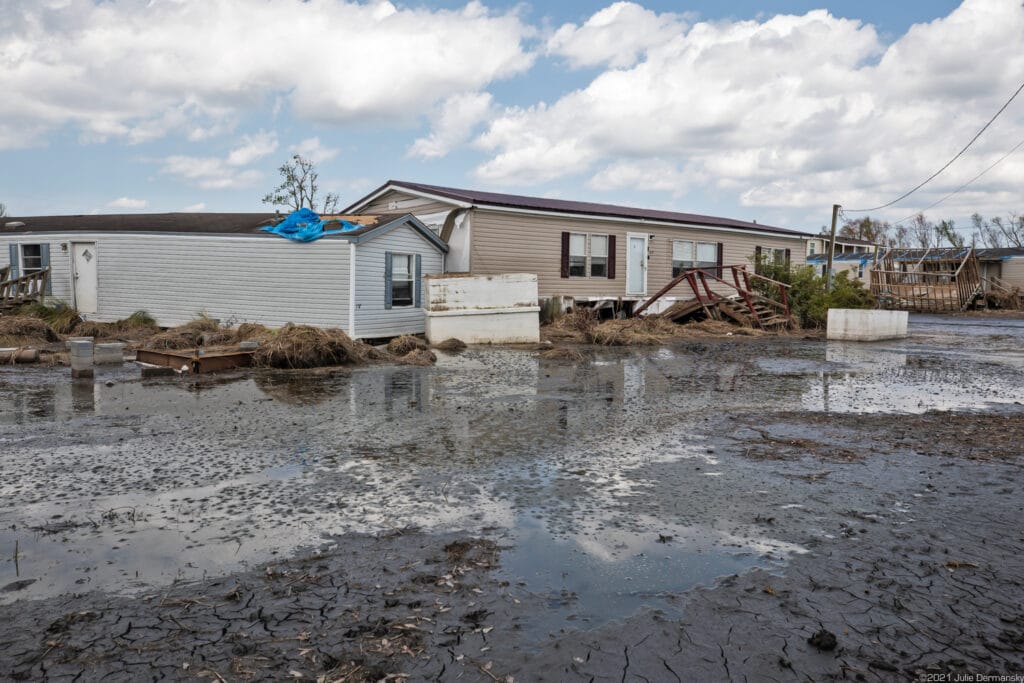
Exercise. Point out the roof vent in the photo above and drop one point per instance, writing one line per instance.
(14, 224)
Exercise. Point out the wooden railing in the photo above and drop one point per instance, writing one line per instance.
(22, 290)
(698, 279)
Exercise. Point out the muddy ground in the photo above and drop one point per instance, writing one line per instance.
(723, 509)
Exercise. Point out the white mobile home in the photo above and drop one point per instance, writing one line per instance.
(367, 281)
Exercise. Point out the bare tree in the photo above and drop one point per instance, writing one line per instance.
(877, 232)
(3, 209)
(298, 188)
(922, 232)
(946, 230)
(999, 232)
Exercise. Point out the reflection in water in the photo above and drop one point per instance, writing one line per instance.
(574, 460)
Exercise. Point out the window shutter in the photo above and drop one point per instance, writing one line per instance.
(13, 251)
(387, 279)
(565, 254)
(44, 253)
(757, 259)
(720, 261)
(789, 256)
(611, 257)
(419, 276)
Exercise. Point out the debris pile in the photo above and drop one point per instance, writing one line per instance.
(303, 346)
(451, 345)
(203, 331)
(583, 326)
(24, 330)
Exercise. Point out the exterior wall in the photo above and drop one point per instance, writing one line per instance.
(1013, 271)
(372, 318)
(525, 243)
(236, 279)
(846, 324)
(407, 204)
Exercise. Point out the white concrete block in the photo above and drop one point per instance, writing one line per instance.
(81, 349)
(497, 326)
(483, 309)
(850, 324)
(108, 354)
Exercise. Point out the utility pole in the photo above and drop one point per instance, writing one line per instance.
(832, 245)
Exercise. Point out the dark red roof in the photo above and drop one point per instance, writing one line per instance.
(587, 208)
(141, 222)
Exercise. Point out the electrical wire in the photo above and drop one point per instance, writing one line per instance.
(948, 163)
(962, 187)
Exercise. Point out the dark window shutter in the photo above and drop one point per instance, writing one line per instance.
(417, 284)
(13, 251)
(387, 279)
(611, 257)
(565, 254)
(757, 259)
(720, 261)
(44, 258)
(789, 257)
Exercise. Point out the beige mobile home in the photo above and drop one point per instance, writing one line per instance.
(587, 251)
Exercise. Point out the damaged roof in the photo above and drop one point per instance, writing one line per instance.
(546, 204)
(211, 223)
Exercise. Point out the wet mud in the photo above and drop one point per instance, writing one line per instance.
(728, 509)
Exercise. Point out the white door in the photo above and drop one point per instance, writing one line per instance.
(83, 264)
(636, 264)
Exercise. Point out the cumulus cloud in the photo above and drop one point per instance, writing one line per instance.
(135, 71)
(128, 203)
(453, 124)
(785, 111)
(615, 36)
(193, 208)
(215, 173)
(313, 150)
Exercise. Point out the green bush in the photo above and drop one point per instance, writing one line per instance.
(809, 296)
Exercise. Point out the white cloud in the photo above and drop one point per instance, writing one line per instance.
(194, 208)
(453, 124)
(615, 36)
(136, 71)
(215, 173)
(253, 148)
(314, 150)
(787, 111)
(128, 203)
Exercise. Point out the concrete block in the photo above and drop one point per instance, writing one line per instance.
(483, 309)
(848, 324)
(71, 340)
(81, 349)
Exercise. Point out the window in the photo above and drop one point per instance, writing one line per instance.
(599, 256)
(402, 270)
(682, 256)
(577, 255)
(31, 258)
(811, 246)
(777, 256)
(707, 255)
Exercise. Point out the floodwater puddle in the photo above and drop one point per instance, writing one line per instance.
(124, 484)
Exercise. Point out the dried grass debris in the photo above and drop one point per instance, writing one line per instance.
(419, 357)
(400, 346)
(563, 353)
(24, 330)
(451, 345)
(303, 346)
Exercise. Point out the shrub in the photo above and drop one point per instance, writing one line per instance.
(809, 295)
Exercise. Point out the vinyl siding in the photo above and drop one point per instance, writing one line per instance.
(522, 243)
(373, 320)
(380, 205)
(60, 262)
(236, 279)
(1013, 271)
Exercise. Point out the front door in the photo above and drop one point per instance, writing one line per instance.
(83, 270)
(636, 264)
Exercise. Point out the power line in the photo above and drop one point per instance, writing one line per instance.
(950, 162)
(969, 182)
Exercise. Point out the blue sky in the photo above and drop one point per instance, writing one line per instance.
(757, 110)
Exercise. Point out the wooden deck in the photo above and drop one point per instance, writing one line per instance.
(22, 290)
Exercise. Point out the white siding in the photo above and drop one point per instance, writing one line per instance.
(372, 318)
(60, 262)
(237, 279)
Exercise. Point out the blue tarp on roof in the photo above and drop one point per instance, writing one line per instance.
(305, 225)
